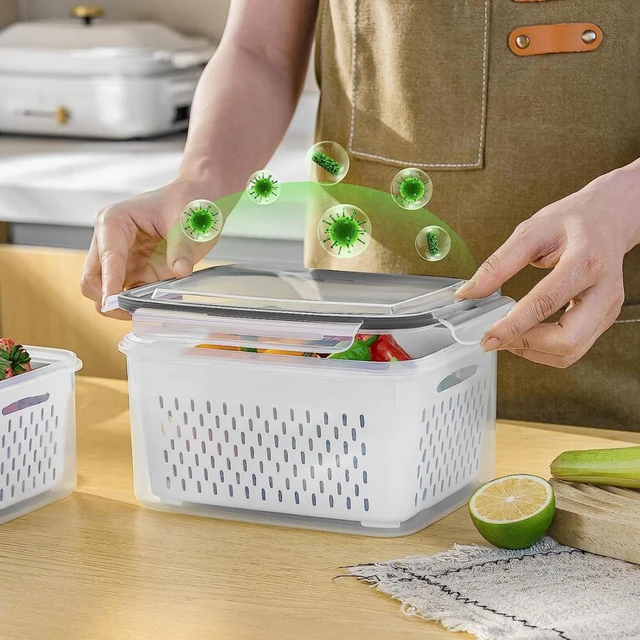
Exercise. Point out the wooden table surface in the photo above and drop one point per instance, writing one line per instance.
(96, 565)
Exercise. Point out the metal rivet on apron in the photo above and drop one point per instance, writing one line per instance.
(589, 36)
(522, 41)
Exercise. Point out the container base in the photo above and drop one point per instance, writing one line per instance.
(379, 530)
(34, 503)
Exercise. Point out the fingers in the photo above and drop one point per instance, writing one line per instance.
(118, 314)
(91, 282)
(180, 253)
(561, 361)
(591, 314)
(550, 295)
(114, 240)
(520, 249)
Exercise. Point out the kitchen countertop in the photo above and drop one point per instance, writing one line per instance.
(96, 565)
(65, 182)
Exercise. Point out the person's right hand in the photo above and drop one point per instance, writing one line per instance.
(139, 241)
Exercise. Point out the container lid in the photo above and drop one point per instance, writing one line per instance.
(102, 47)
(328, 306)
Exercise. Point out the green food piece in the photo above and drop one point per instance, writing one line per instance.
(432, 243)
(616, 467)
(14, 359)
(327, 163)
(359, 350)
(513, 517)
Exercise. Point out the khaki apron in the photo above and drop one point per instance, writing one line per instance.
(433, 84)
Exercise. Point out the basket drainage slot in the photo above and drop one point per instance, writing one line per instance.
(457, 377)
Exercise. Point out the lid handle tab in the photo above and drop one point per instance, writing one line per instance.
(469, 325)
(227, 331)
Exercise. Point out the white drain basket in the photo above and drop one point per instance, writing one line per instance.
(357, 447)
(37, 433)
(378, 448)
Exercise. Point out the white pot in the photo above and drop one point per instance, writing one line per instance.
(97, 78)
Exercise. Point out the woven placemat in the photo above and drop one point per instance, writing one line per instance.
(546, 592)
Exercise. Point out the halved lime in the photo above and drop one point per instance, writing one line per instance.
(513, 512)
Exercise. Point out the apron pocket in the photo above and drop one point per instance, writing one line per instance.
(419, 82)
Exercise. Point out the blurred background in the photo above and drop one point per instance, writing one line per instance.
(50, 189)
(94, 103)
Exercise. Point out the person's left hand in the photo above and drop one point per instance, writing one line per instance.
(583, 238)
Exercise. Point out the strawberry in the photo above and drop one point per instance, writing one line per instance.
(13, 359)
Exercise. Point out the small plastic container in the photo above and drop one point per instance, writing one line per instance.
(38, 433)
(376, 448)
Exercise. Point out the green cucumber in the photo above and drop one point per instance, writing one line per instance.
(615, 467)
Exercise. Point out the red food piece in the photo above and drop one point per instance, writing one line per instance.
(385, 348)
(14, 359)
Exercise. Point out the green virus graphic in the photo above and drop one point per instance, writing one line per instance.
(263, 187)
(433, 243)
(344, 231)
(411, 188)
(327, 163)
(201, 220)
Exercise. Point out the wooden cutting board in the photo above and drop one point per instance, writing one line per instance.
(600, 519)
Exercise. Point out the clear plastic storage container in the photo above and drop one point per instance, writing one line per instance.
(379, 448)
(38, 433)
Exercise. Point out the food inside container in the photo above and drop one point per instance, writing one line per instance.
(226, 423)
(364, 348)
(14, 359)
(92, 77)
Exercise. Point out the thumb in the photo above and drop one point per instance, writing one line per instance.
(181, 254)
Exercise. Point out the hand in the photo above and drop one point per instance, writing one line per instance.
(583, 238)
(139, 240)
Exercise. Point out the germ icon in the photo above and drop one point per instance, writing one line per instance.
(411, 188)
(327, 162)
(344, 231)
(433, 243)
(201, 220)
(263, 187)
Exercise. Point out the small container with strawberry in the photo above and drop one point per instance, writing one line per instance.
(37, 426)
(14, 359)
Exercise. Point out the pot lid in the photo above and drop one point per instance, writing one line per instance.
(75, 35)
(62, 47)
(267, 300)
